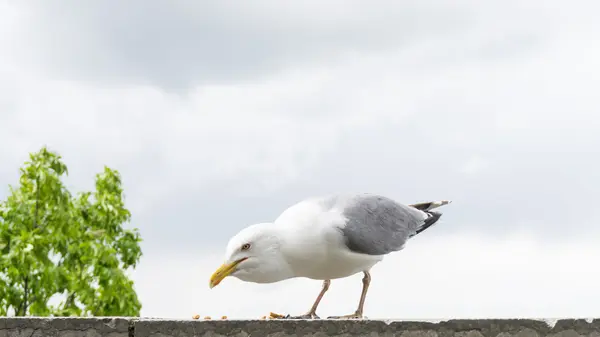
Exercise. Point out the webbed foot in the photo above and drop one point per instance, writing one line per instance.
(351, 316)
(310, 315)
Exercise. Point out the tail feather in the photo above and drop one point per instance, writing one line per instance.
(432, 217)
(428, 206)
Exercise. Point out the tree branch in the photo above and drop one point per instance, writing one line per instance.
(25, 305)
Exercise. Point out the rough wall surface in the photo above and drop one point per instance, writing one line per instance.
(134, 327)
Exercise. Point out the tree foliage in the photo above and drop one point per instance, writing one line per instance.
(64, 254)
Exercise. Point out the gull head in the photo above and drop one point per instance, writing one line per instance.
(254, 255)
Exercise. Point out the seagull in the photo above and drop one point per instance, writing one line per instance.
(325, 238)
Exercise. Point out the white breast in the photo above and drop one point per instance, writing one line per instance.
(314, 247)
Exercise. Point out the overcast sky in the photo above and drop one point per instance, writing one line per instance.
(220, 114)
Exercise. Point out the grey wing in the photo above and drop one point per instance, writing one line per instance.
(377, 225)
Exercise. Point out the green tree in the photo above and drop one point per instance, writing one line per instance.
(66, 255)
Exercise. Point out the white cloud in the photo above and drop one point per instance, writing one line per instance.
(435, 277)
(474, 165)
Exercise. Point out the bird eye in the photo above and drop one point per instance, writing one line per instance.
(246, 246)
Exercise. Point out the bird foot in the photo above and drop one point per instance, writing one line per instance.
(351, 316)
(310, 315)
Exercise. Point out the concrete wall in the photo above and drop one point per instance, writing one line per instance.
(123, 327)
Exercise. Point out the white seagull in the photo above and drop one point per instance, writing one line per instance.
(325, 238)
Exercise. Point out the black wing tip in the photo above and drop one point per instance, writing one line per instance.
(430, 221)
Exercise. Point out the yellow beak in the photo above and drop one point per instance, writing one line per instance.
(222, 272)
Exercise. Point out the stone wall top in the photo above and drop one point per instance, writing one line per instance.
(147, 327)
